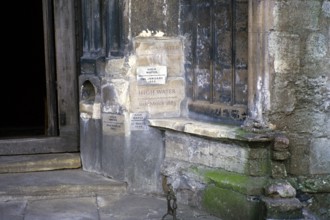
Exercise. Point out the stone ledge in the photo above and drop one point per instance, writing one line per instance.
(217, 131)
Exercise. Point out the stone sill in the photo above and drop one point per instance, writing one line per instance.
(217, 131)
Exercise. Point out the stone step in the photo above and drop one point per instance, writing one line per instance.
(57, 184)
(39, 162)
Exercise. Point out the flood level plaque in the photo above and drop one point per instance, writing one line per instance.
(151, 75)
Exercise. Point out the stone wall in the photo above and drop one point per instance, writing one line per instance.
(299, 50)
(135, 126)
(299, 54)
(146, 82)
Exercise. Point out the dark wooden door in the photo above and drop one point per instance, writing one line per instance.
(57, 118)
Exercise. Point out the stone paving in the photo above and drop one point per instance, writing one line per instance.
(80, 195)
(109, 207)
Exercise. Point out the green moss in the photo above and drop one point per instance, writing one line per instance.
(237, 182)
(242, 133)
(223, 177)
(226, 203)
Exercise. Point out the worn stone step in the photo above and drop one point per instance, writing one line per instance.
(57, 184)
(39, 162)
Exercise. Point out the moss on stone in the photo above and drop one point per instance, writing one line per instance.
(228, 204)
(236, 182)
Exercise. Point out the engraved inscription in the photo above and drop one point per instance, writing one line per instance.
(156, 99)
(112, 123)
(139, 121)
(150, 47)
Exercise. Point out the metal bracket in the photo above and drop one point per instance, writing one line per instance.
(171, 203)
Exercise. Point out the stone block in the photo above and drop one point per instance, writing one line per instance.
(258, 153)
(280, 155)
(316, 46)
(281, 143)
(228, 204)
(299, 149)
(241, 183)
(285, 49)
(278, 169)
(200, 154)
(320, 156)
(176, 150)
(229, 157)
(115, 68)
(114, 95)
(217, 154)
(258, 167)
(326, 8)
(143, 157)
(282, 208)
(296, 15)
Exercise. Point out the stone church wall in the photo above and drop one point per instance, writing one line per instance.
(135, 127)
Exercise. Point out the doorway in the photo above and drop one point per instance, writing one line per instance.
(39, 84)
(24, 84)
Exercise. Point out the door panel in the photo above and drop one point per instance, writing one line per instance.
(61, 82)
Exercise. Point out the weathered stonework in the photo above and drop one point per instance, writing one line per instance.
(283, 208)
(154, 16)
(138, 132)
(326, 8)
(320, 153)
(316, 46)
(301, 89)
(278, 170)
(160, 52)
(285, 49)
(293, 14)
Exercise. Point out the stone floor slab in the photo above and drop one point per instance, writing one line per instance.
(12, 210)
(145, 207)
(62, 209)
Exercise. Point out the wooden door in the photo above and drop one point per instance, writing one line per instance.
(60, 19)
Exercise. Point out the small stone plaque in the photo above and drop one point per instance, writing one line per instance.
(138, 121)
(154, 75)
(113, 123)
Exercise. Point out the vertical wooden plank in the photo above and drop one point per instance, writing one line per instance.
(64, 20)
(50, 68)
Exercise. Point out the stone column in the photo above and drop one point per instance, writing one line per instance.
(92, 31)
(92, 68)
(259, 22)
(113, 28)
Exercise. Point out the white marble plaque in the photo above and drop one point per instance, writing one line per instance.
(154, 75)
(113, 123)
(139, 121)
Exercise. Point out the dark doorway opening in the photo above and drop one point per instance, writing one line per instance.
(23, 84)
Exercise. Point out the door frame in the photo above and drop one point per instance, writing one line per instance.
(62, 120)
